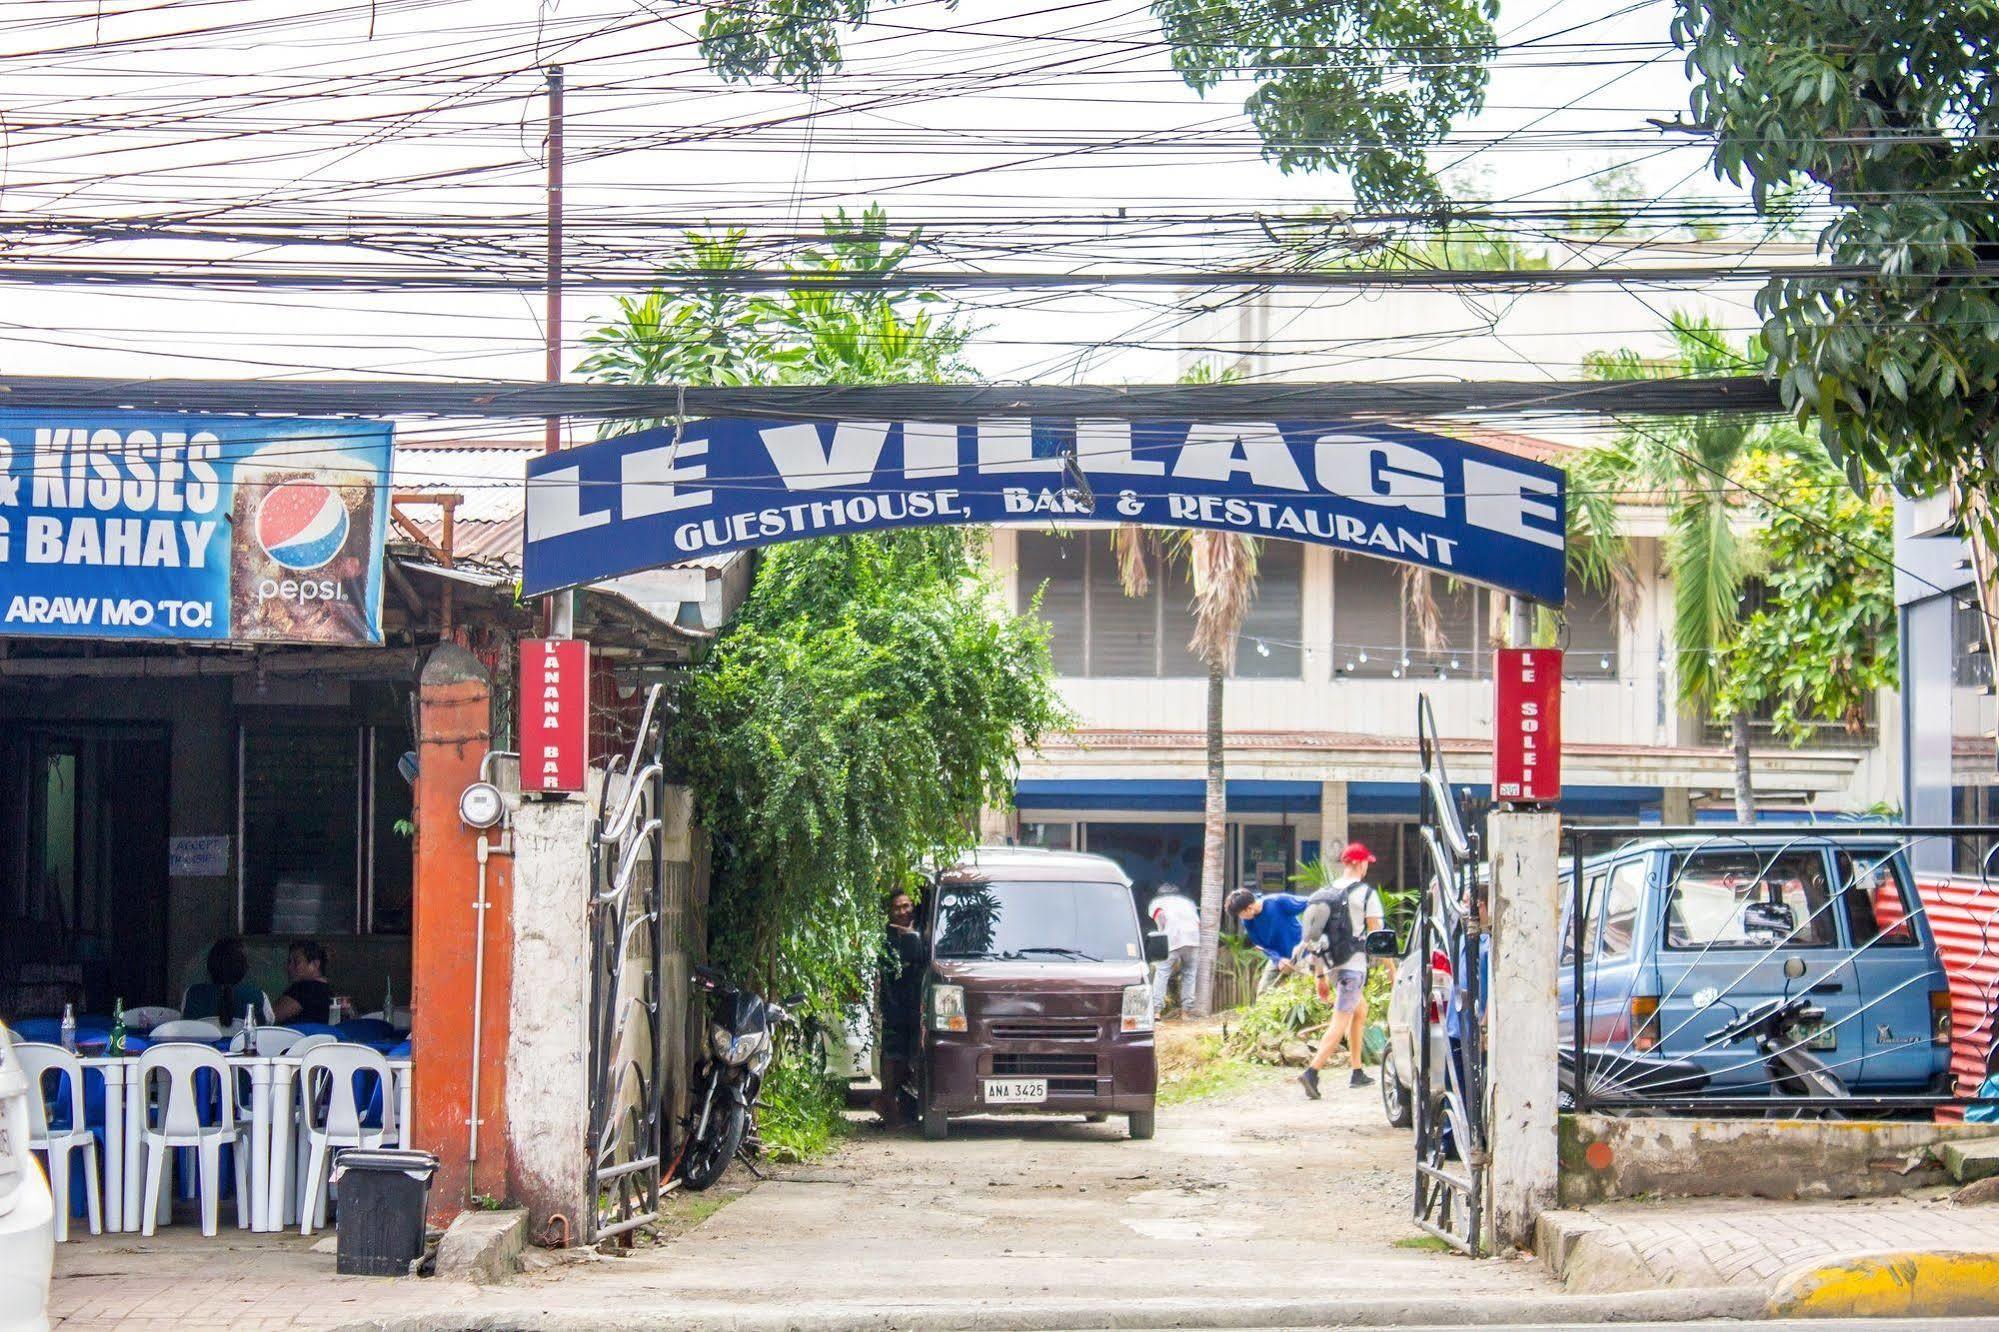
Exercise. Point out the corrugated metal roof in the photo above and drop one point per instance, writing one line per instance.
(490, 475)
(1964, 916)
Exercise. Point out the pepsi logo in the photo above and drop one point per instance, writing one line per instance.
(302, 524)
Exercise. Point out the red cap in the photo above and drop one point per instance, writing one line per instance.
(1356, 854)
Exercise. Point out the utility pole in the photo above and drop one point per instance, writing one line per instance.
(562, 606)
(552, 322)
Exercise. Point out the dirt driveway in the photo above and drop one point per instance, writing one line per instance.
(1258, 1194)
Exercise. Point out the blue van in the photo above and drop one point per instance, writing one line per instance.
(1682, 934)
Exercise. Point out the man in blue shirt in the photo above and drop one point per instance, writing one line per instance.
(1271, 923)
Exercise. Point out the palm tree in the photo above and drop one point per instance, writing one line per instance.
(1222, 568)
(1691, 464)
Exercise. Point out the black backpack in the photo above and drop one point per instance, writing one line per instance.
(1339, 942)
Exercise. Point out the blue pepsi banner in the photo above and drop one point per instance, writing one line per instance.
(656, 497)
(197, 528)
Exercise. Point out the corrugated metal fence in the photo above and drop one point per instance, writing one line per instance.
(1964, 915)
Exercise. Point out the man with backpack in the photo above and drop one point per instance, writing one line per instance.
(1333, 937)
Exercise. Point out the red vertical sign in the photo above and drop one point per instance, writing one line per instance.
(555, 713)
(1527, 725)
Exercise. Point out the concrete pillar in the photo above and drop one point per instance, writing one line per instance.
(1333, 834)
(1522, 1021)
(1676, 807)
(548, 1050)
(454, 720)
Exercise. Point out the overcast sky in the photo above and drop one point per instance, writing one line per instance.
(1015, 128)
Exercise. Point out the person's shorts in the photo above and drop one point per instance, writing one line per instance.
(1346, 990)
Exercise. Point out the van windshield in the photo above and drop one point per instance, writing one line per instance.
(1037, 922)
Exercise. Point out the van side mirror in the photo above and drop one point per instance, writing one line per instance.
(1155, 945)
(1383, 943)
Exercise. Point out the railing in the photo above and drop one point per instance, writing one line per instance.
(628, 1043)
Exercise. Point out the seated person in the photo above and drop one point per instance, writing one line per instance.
(223, 998)
(309, 998)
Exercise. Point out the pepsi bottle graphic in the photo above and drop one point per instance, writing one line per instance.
(299, 558)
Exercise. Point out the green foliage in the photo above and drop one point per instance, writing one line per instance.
(800, 1113)
(1823, 640)
(1292, 1010)
(714, 335)
(1692, 465)
(1358, 86)
(1887, 112)
(870, 696)
(865, 704)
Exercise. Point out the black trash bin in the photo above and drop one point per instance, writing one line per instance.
(383, 1197)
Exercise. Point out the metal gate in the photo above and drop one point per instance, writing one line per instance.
(1451, 933)
(628, 1042)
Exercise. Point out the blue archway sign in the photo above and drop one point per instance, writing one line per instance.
(659, 497)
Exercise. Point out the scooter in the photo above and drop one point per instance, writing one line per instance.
(728, 1081)
(1794, 1071)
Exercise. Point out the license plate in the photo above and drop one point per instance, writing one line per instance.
(1016, 1091)
(1816, 1035)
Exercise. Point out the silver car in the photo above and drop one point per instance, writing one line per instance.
(1398, 1061)
(27, 1217)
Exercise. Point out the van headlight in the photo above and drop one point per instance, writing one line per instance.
(1137, 1014)
(947, 1008)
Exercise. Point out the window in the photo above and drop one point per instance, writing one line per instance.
(1970, 658)
(1592, 617)
(1748, 899)
(1592, 899)
(1042, 922)
(1620, 910)
(1096, 630)
(1378, 635)
(1879, 910)
(1051, 836)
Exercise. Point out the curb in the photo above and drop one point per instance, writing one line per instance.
(1636, 1307)
(484, 1247)
(1913, 1283)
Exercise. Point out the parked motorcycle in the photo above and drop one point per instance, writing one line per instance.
(1782, 1029)
(742, 1031)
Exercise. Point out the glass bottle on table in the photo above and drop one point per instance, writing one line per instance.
(69, 1028)
(116, 1045)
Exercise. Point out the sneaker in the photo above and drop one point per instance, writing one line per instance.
(1360, 1079)
(1309, 1080)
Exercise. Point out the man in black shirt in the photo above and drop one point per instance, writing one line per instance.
(904, 961)
(309, 997)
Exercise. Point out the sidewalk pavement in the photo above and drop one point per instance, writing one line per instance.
(1925, 1256)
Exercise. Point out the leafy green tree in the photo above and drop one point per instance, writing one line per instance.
(1693, 465)
(1888, 112)
(1822, 642)
(870, 697)
(1359, 86)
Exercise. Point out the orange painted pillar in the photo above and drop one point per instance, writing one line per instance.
(454, 731)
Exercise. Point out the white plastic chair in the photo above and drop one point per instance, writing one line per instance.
(181, 1119)
(38, 1060)
(338, 1122)
(270, 1041)
(187, 1029)
(146, 1018)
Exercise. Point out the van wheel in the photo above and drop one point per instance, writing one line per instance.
(1395, 1102)
(935, 1122)
(1141, 1124)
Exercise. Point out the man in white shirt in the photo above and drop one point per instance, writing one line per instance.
(1180, 921)
(1364, 913)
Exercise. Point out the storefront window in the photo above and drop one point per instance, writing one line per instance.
(1049, 836)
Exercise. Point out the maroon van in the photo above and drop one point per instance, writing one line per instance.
(1036, 1000)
